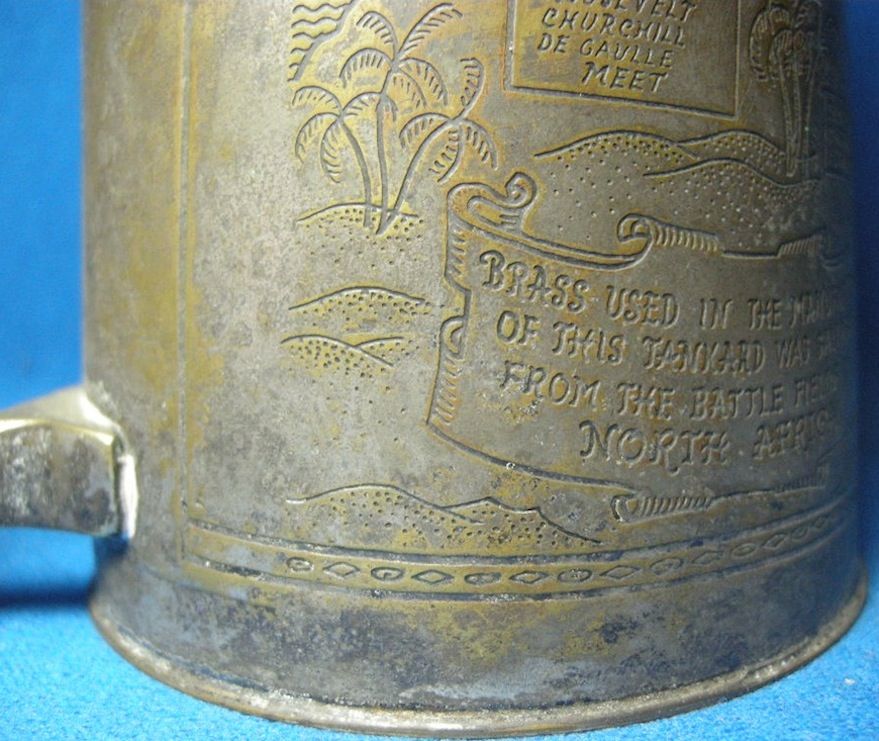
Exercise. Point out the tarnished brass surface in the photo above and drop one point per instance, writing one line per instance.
(488, 365)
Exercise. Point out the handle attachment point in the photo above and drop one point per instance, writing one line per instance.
(64, 465)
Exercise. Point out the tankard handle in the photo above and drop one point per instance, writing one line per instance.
(65, 465)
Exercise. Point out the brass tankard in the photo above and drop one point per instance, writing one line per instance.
(460, 368)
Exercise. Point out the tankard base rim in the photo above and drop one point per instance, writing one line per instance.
(583, 716)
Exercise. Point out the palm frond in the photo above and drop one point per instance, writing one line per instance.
(368, 58)
(430, 22)
(331, 152)
(309, 131)
(381, 27)
(360, 103)
(480, 140)
(410, 87)
(392, 106)
(767, 25)
(449, 157)
(313, 94)
(473, 72)
(427, 73)
(807, 15)
(415, 127)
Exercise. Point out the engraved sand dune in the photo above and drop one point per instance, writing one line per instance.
(379, 517)
(327, 353)
(390, 349)
(745, 146)
(642, 152)
(716, 188)
(630, 174)
(363, 329)
(720, 168)
(654, 153)
(352, 213)
(351, 309)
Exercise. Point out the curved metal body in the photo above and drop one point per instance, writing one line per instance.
(488, 366)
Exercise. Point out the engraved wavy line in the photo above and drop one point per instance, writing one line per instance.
(448, 509)
(368, 485)
(345, 345)
(681, 146)
(317, 20)
(359, 289)
(312, 28)
(306, 39)
(306, 8)
(328, 10)
(731, 163)
(728, 134)
(311, 25)
(577, 143)
(830, 508)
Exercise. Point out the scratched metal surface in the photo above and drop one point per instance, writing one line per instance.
(378, 216)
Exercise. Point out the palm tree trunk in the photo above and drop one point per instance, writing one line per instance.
(798, 122)
(783, 83)
(422, 148)
(364, 174)
(382, 164)
(413, 167)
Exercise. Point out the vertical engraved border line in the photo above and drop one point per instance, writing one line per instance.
(180, 497)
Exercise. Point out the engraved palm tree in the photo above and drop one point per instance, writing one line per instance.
(455, 134)
(784, 50)
(329, 126)
(404, 72)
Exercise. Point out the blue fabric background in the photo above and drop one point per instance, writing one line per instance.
(58, 679)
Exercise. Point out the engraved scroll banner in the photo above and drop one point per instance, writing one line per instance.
(626, 365)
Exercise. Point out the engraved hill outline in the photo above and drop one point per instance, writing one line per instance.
(716, 173)
(387, 518)
(358, 329)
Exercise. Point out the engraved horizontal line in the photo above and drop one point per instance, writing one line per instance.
(788, 556)
(533, 471)
(589, 558)
(619, 100)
